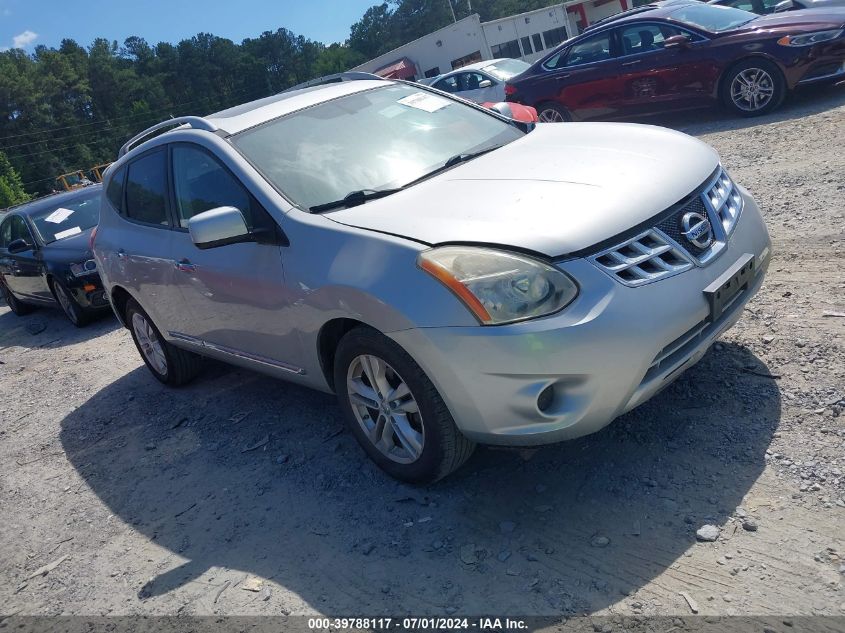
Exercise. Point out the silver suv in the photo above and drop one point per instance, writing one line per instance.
(453, 276)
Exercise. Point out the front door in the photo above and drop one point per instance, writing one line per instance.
(23, 272)
(236, 294)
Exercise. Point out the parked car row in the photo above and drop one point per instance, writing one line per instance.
(453, 275)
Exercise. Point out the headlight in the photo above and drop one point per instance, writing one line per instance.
(85, 268)
(808, 39)
(499, 287)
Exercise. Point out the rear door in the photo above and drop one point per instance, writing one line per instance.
(583, 78)
(653, 77)
(236, 294)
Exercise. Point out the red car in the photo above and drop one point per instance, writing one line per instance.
(684, 55)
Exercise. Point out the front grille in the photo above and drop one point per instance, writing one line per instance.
(664, 251)
(643, 259)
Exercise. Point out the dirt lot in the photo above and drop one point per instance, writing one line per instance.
(150, 501)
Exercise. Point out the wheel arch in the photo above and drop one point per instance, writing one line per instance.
(119, 297)
(328, 339)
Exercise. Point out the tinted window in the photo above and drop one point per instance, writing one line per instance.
(506, 49)
(146, 187)
(202, 183)
(432, 72)
(711, 17)
(526, 45)
(449, 84)
(14, 228)
(69, 217)
(538, 42)
(593, 49)
(115, 190)
(643, 38)
(554, 37)
(6, 233)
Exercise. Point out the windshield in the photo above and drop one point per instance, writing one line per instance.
(69, 217)
(367, 141)
(712, 18)
(507, 68)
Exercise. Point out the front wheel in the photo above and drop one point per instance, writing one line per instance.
(753, 87)
(73, 311)
(171, 365)
(394, 410)
(553, 113)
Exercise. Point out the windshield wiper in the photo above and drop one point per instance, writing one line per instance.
(360, 196)
(354, 198)
(457, 159)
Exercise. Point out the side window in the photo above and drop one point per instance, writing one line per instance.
(538, 42)
(470, 81)
(146, 189)
(6, 233)
(201, 183)
(643, 38)
(449, 84)
(768, 6)
(114, 193)
(20, 231)
(593, 49)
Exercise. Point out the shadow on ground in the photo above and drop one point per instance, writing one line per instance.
(47, 328)
(512, 532)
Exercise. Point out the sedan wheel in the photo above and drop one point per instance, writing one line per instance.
(385, 409)
(149, 344)
(552, 113)
(752, 89)
(72, 310)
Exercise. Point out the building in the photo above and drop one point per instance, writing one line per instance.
(526, 36)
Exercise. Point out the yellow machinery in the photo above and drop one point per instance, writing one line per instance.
(97, 172)
(76, 179)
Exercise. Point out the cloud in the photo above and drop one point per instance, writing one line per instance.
(22, 40)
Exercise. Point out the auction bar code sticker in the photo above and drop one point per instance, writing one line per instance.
(417, 624)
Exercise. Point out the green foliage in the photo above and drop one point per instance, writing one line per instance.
(69, 108)
(11, 186)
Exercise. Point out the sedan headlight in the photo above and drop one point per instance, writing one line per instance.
(497, 286)
(808, 39)
(85, 268)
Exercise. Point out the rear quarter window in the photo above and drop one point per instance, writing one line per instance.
(114, 193)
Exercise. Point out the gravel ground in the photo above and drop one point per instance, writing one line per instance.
(243, 495)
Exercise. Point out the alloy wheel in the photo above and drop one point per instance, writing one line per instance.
(148, 342)
(550, 115)
(752, 89)
(385, 409)
(64, 302)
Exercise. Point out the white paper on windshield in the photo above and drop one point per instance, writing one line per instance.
(424, 101)
(63, 234)
(59, 215)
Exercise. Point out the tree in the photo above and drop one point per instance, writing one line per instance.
(11, 185)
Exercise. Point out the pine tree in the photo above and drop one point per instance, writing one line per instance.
(11, 186)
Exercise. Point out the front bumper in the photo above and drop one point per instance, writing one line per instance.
(88, 292)
(608, 352)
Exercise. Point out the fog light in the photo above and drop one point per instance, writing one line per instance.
(544, 400)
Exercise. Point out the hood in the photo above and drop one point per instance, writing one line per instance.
(73, 248)
(800, 21)
(557, 190)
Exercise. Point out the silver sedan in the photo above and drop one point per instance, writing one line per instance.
(453, 276)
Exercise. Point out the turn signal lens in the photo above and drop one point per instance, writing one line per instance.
(498, 286)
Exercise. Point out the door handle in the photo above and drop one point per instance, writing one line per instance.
(185, 266)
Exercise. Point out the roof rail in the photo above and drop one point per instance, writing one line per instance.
(196, 122)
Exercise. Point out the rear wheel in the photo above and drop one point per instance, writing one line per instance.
(17, 306)
(73, 311)
(171, 365)
(394, 410)
(553, 113)
(753, 87)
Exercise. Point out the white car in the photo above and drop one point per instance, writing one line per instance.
(480, 82)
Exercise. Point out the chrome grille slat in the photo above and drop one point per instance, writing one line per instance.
(663, 251)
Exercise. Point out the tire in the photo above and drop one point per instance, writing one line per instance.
(17, 306)
(553, 113)
(762, 78)
(171, 365)
(424, 445)
(73, 311)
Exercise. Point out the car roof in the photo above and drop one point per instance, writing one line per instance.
(53, 200)
(247, 115)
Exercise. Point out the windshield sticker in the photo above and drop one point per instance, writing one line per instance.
(59, 215)
(424, 101)
(63, 234)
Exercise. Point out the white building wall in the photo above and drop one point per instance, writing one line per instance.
(528, 24)
(438, 49)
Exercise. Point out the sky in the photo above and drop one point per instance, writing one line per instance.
(27, 23)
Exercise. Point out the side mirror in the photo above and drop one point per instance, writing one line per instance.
(485, 83)
(218, 227)
(18, 246)
(676, 41)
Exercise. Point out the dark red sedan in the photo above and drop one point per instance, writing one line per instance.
(684, 55)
